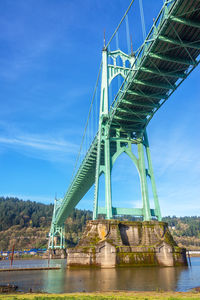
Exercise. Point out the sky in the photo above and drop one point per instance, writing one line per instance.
(50, 53)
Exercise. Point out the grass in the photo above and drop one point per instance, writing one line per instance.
(107, 295)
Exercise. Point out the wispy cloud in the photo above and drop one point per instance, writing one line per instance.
(42, 147)
(40, 143)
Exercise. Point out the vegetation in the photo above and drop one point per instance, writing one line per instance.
(111, 296)
(185, 230)
(184, 226)
(24, 213)
(26, 224)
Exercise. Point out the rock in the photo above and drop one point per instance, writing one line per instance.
(9, 288)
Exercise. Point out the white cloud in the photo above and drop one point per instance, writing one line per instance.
(40, 143)
(41, 147)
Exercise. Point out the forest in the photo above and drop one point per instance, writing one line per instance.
(26, 224)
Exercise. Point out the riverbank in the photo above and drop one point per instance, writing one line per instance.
(107, 295)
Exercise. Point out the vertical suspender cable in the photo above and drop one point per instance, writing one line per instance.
(142, 19)
(83, 141)
(128, 35)
(89, 121)
(92, 123)
(117, 40)
(86, 139)
(96, 110)
(120, 23)
(117, 47)
(110, 96)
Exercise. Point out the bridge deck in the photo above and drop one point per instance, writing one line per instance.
(169, 54)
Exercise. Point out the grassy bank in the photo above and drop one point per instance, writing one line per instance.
(108, 295)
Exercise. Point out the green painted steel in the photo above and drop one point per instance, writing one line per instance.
(57, 233)
(168, 55)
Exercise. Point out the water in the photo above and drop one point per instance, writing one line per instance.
(90, 280)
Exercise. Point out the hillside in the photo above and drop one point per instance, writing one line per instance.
(26, 224)
(185, 230)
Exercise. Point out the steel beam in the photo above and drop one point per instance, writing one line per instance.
(140, 104)
(129, 112)
(152, 178)
(146, 95)
(128, 119)
(107, 172)
(173, 59)
(122, 211)
(143, 183)
(163, 73)
(154, 84)
(179, 42)
(184, 21)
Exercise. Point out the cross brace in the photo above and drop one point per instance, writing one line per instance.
(140, 104)
(173, 59)
(147, 95)
(187, 22)
(155, 84)
(180, 43)
(164, 73)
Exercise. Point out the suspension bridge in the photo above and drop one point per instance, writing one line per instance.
(117, 124)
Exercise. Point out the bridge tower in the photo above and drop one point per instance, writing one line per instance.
(57, 233)
(113, 140)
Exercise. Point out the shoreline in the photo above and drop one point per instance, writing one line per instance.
(121, 295)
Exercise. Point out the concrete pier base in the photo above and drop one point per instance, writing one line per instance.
(112, 243)
(55, 253)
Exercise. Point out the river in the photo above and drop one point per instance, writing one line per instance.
(90, 280)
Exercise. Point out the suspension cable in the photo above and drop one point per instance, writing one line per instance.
(128, 35)
(142, 19)
(120, 23)
(117, 47)
(84, 133)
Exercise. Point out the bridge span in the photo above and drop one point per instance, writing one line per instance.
(169, 53)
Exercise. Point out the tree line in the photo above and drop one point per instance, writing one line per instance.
(20, 215)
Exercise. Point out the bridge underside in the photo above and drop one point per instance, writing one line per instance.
(169, 54)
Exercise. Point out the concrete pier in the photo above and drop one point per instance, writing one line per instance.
(55, 253)
(112, 243)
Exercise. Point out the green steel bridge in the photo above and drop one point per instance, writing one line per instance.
(169, 53)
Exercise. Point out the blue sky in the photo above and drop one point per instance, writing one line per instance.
(49, 58)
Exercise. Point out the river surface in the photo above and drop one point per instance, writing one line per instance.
(90, 280)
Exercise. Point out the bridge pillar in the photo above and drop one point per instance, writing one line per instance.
(151, 174)
(103, 167)
(57, 233)
(57, 237)
(108, 192)
(143, 183)
(103, 136)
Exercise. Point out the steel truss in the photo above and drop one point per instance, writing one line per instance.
(116, 141)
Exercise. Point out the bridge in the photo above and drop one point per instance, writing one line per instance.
(169, 53)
